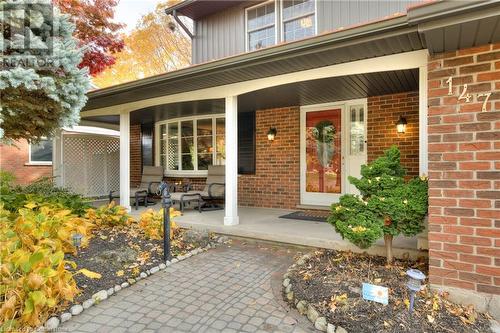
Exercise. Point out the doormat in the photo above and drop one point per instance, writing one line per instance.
(311, 215)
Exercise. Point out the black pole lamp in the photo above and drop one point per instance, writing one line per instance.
(401, 124)
(166, 203)
(271, 134)
(415, 278)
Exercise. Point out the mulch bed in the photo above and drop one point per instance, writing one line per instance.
(121, 253)
(331, 281)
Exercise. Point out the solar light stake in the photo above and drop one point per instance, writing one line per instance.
(77, 241)
(166, 203)
(414, 284)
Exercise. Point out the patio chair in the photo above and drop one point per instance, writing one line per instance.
(151, 178)
(210, 196)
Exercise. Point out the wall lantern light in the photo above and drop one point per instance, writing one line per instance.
(271, 134)
(415, 278)
(401, 124)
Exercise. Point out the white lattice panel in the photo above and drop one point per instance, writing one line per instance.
(91, 164)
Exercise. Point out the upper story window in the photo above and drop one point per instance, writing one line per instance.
(261, 26)
(297, 19)
(191, 145)
(41, 153)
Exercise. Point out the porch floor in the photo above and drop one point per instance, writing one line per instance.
(265, 224)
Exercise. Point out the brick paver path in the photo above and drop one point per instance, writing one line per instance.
(234, 288)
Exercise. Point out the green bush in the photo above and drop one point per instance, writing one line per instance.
(42, 191)
(388, 205)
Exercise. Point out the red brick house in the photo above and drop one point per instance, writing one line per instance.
(285, 69)
(27, 162)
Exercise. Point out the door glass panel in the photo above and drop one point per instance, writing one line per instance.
(357, 129)
(323, 151)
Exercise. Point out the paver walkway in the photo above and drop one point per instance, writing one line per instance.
(234, 288)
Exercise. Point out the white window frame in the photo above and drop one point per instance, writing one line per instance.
(194, 119)
(276, 21)
(282, 21)
(31, 162)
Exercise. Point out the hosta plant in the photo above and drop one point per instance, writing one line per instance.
(109, 215)
(33, 274)
(151, 223)
(388, 205)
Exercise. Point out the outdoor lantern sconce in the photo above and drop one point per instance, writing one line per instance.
(271, 134)
(401, 124)
(77, 240)
(415, 278)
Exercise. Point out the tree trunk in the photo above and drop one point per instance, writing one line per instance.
(388, 247)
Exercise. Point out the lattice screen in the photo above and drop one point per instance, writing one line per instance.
(91, 164)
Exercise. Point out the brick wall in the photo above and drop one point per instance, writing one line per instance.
(135, 155)
(15, 159)
(464, 176)
(383, 113)
(276, 183)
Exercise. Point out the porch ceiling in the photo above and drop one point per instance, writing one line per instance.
(330, 90)
(293, 94)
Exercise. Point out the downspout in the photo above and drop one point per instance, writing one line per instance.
(179, 22)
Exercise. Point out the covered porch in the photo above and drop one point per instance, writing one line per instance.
(265, 179)
(266, 224)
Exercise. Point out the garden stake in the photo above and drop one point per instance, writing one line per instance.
(166, 202)
(77, 241)
(414, 284)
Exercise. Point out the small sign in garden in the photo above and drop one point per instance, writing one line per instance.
(375, 293)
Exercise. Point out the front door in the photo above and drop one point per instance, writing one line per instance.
(332, 148)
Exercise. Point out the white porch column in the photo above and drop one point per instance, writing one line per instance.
(125, 159)
(231, 205)
(422, 122)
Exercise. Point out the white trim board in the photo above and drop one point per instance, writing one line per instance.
(408, 60)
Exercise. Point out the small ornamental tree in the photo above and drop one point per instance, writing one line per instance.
(42, 87)
(387, 205)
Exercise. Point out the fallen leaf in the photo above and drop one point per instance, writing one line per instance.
(104, 237)
(120, 273)
(407, 303)
(90, 274)
(430, 319)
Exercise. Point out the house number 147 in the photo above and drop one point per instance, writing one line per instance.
(464, 95)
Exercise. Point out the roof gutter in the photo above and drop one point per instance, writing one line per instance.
(445, 9)
(180, 5)
(319, 41)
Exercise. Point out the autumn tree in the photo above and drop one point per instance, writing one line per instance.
(95, 30)
(151, 48)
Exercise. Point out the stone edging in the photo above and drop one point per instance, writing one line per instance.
(303, 307)
(53, 322)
